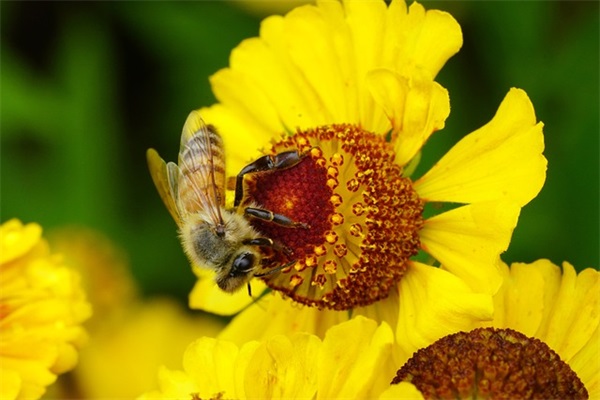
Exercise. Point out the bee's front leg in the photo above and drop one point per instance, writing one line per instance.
(266, 242)
(282, 160)
(270, 216)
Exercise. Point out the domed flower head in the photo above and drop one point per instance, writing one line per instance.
(42, 307)
(346, 364)
(350, 86)
(544, 343)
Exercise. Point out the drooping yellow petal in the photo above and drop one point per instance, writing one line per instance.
(283, 368)
(415, 105)
(350, 356)
(501, 160)
(433, 304)
(469, 240)
(207, 296)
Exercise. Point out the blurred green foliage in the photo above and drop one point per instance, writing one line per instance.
(87, 87)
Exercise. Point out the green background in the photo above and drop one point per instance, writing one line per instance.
(86, 88)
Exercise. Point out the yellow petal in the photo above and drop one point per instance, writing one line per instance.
(415, 105)
(350, 356)
(433, 37)
(210, 363)
(207, 296)
(586, 364)
(243, 135)
(501, 160)
(16, 240)
(469, 240)
(576, 314)
(434, 303)
(10, 384)
(283, 368)
(403, 390)
(520, 303)
(271, 315)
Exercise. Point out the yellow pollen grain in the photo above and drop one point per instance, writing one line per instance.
(337, 159)
(316, 152)
(296, 280)
(333, 172)
(331, 237)
(321, 162)
(336, 219)
(336, 200)
(330, 267)
(332, 183)
(311, 261)
(320, 250)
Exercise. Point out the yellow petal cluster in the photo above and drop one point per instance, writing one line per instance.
(561, 308)
(346, 363)
(42, 306)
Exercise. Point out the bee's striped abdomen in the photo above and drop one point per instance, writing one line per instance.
(202, 166)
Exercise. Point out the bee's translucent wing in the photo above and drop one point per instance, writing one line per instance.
(202, 169)
(165, 178)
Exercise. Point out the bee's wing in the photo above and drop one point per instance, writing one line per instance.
(165, 177)
(201, 169)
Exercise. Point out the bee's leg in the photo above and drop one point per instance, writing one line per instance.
(282, 160)
(270, 216)
(266, 242)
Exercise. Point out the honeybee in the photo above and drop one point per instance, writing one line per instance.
(193, 191)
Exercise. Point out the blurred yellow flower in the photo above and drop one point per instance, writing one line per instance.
(130, 336)
(347, 363)
(351, 86)
(557, 314)
(42, 307)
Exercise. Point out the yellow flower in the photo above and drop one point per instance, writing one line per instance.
(550, 324)
(130, 337)
(561, 310)
(347, 363)
(42, 307)
(350, 86)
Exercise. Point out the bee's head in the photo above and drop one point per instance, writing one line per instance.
(244, 263)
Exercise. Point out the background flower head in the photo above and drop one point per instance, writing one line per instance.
(43, 306)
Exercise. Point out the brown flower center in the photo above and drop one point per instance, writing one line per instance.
(364, 218)
(491, 363)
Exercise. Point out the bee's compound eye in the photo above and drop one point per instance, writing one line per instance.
(242, 264)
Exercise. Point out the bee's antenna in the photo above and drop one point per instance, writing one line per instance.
(276, 269)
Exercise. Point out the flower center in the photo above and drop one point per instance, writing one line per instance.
(364, 218)
(491, 363)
